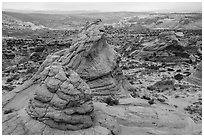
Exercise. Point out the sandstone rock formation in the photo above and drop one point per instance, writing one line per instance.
(93, 59)
(57, 98)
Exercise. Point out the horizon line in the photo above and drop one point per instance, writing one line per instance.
(42, 10)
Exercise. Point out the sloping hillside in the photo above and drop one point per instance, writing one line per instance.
(169, 21)
(61, 21)
(12, 22)
(16, 24)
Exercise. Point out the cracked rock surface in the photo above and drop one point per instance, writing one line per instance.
(59, 106)
(62, 101)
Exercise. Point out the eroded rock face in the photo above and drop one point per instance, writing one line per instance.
(92, 58)
(62, 100)
(64, 87)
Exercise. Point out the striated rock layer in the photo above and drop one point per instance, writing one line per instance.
(92, 58)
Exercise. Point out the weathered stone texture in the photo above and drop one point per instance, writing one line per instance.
(62, 101)
(65, 85)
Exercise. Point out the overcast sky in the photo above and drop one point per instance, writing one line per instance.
(137, 6)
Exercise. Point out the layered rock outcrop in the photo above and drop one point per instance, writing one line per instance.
(92, 58)
(59, 95)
